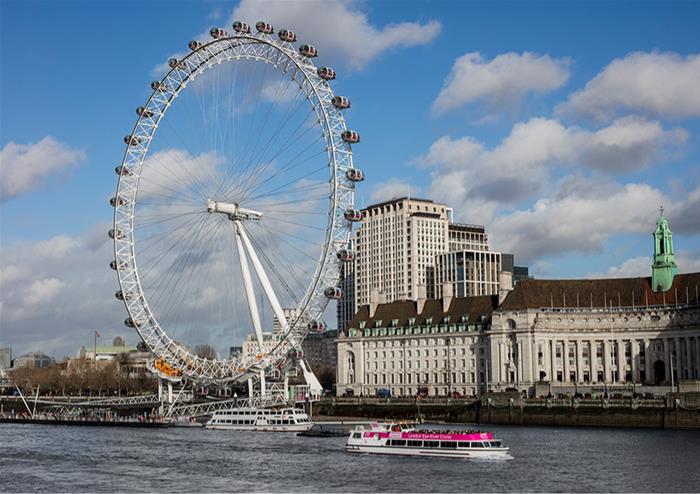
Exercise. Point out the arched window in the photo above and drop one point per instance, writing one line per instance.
(351, 368)
(510, 324)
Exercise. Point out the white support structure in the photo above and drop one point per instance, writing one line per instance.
(248, 283)
(264, 281)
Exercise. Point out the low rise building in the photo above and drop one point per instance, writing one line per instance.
(5, 357)
(37, 360)
(571, 335)
(428, 346)
(320, 350)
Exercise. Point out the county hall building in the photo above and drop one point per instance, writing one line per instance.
(575, 335)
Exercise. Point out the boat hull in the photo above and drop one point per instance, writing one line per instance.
(262, 428)
(442, 453)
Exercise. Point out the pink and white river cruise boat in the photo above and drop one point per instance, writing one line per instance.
(402, 438)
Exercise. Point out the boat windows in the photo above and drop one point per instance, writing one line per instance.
(477, 444)
(357, 435)
(415, 444)
(463, 444)
(431, 444)
(448, 444)
(495, 444)
(397, 442)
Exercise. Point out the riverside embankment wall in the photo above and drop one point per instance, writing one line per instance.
(675, 411)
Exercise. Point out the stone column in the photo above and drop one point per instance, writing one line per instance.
(678, 361)
(621, 361)
(579, 360)
(635, 359)
(648, 361)
(553, 360)
(607, 361)
(667, 358)
(565, 360)
(495, 363)
(688, 357)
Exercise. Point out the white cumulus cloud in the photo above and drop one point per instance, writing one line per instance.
(662, 84)
(476, 179)
(500, 81)
(24, 167)
(579, 217)
(338, 28)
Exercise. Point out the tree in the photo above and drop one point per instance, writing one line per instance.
(205, 351)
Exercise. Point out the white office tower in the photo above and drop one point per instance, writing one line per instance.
(396, 245)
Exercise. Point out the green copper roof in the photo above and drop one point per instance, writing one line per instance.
(664, 267)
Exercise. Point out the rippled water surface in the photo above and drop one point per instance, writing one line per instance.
(94, 459)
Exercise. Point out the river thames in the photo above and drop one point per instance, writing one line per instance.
(95, 459)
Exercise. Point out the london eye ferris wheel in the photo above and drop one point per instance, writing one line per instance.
(236, 204)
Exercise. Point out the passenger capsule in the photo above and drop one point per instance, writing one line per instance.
(326, 73)
(174, 62)
(113, 202)
(132, 140)
(353, 215)
(345, 255)
(129, 323)
(287, 35)
(119, 295)
(355, 175)
(158, 86)
(264, 27)
(115, 233)
(350, 136)
(122, 171)
(333, 292)
(194, 45)
(217, 33)
(298, 354)
(144, 112)
(308, 51)
(241, 27)
(341, 102)
(114, 265)
(274, 374)
(317, 326)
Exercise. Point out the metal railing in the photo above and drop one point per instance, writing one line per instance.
(202, 409)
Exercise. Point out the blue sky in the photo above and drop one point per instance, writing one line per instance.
(516, 114)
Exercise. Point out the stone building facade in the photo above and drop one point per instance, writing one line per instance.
(575, 335)
(609, 332)
(434, 347)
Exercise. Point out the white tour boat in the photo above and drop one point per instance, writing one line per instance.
(402, 438)
(261, 419)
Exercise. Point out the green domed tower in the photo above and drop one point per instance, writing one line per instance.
(664, 267)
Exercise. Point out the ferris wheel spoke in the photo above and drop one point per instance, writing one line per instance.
(155, 239)
(182, 240)
(291, 141)
(176, 300)
(285, 189)
(291, 110)
(295, 161)
(290, 264)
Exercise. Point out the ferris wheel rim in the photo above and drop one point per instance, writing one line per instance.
(337, 231)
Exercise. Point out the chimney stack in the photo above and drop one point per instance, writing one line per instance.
(375, 298)
(447, 295)
(505, 285)
(421, 295)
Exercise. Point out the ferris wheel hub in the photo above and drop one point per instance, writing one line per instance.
(233, 210)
